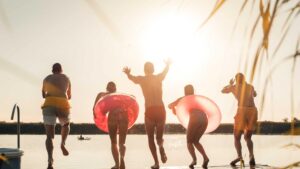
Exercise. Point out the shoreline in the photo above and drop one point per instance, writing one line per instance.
(264, 128)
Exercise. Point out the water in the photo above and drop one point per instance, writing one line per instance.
(95, 153)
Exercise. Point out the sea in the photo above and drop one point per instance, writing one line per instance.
(273, 151)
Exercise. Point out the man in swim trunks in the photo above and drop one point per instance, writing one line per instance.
(246, 117)
(57, 91)
(155, 113)
(196, 128)
(117, 122)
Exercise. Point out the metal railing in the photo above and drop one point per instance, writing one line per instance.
(16, 107)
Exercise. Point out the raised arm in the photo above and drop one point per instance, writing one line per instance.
(166, 69)
(127, 71)
(228, 88)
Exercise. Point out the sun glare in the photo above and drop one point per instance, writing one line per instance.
(174, 37)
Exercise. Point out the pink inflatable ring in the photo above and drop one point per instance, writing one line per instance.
(202, 103)
(115, 101)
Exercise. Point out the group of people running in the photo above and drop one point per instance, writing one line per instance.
(57, 91)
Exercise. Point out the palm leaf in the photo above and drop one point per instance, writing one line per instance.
(236, 20)
(281, 41)
(296, 164)
(254, 27)
(292, 85)
(254, 65)
(266, 23)
(243, 6)
(252, 6)
(284, 2)
(292, 10)
(291, 145)
(19, 72)
(4, 18)
(218, 5)
(104, 18)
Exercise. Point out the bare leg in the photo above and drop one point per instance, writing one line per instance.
(237, 143)
(191, 149)
(123, 127)
(196, 128)
(247, 137)
(150, 133)
(160, 141)
(115, 153)
(50, 129)
(112, 128)
(65, 129)
(203, 153)
(238, 147)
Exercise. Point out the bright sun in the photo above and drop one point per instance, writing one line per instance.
(173, 36)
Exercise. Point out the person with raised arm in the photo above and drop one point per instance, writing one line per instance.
(155, 113)
(245, 118)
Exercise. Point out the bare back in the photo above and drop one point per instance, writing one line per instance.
(152, 89)
(56, 85)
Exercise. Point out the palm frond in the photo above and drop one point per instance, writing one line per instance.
(284, 2)
(253, 29)
(266, 23)
(104, 18)
(243, 6)
(218, 5)
(4, 19)
(254, 64)
(237, 20)
(292, 86)
(19, 72)
(281, 41)
(296, 164)
(291, 145)
(291, 11)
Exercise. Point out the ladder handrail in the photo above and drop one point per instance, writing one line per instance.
(18, 122)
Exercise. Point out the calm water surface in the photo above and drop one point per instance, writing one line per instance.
(95, 153)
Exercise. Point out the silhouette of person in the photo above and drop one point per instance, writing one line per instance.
(196, 128)
(117, 122)
(155, 113)
(246, 116)
(57, 91)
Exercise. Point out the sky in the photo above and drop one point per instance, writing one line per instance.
(95, 39)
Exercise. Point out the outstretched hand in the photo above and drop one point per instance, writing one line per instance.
(231, 82)
(168, 61)
(126, 70)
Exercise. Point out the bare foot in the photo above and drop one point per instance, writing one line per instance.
(155, 166)
(50, 164)
(163, 155)
(122, 165)
(192, 164)
(233, 163)
(205, 163)
(115, 167)
(64, 150)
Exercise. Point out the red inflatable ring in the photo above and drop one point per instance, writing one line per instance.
(115, 101)
(202, 103)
